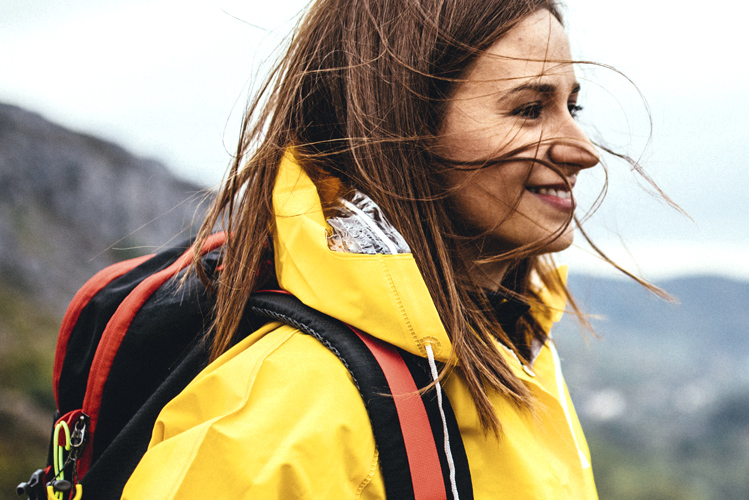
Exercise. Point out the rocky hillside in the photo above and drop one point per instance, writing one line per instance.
(71, 203)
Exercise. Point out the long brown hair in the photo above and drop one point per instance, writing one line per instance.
(360, 95)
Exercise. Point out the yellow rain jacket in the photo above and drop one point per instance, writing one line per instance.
(278, 415)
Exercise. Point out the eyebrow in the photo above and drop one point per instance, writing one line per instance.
(542, 88)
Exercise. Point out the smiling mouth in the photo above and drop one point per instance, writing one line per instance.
(558, 192)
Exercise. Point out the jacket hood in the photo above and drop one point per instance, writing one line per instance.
(381, 294)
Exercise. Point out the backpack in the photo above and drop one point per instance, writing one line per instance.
(134, 336)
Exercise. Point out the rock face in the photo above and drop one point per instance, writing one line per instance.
(71, 204)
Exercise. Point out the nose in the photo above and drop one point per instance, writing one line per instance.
(575, 153)
(573, 149)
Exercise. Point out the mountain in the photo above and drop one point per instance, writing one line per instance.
(71, 203)
(704, 304)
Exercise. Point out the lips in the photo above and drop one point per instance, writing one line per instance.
(557, 191)
(557, 195)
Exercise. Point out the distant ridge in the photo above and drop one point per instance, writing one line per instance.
(709, 309)
(69, 201)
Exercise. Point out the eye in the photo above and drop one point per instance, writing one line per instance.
(530, 111)
(574, 109)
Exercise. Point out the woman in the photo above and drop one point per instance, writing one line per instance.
(408, 171)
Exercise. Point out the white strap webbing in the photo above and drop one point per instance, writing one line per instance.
(448, 451)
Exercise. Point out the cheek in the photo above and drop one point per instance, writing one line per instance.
(475, 132)
(475, 143)
(483, 199)
(470, 132)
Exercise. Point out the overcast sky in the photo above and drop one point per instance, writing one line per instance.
(168, 79)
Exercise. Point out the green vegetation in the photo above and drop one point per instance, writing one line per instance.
(22, 451)
(642, 473)
(27, 344)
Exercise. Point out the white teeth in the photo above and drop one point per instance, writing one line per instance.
(559, 193)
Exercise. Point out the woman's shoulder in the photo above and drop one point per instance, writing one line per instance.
(279, 368)
(277, 413)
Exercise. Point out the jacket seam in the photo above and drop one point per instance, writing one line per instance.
(401, 307)
(374, 466)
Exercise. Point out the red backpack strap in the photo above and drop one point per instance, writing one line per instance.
(421, 449)
(115, 331)
(80, 300)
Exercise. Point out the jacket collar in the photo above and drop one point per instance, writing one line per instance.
(383, 295)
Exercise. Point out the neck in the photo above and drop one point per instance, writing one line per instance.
(489, 275)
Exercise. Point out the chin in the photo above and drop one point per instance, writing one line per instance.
(563, 242)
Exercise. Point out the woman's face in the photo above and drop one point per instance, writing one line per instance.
(521, 93)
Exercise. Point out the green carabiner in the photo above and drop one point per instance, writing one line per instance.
(58, 456)
(57, 495)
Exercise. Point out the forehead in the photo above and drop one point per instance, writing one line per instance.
(537, 46)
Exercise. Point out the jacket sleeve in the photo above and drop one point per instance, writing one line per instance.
(281, 419)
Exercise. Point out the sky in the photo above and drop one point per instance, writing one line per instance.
(169, 79)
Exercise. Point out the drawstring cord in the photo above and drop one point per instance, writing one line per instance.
(448, 452)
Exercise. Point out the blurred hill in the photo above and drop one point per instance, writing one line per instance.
(70, 204)
(663, 394)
